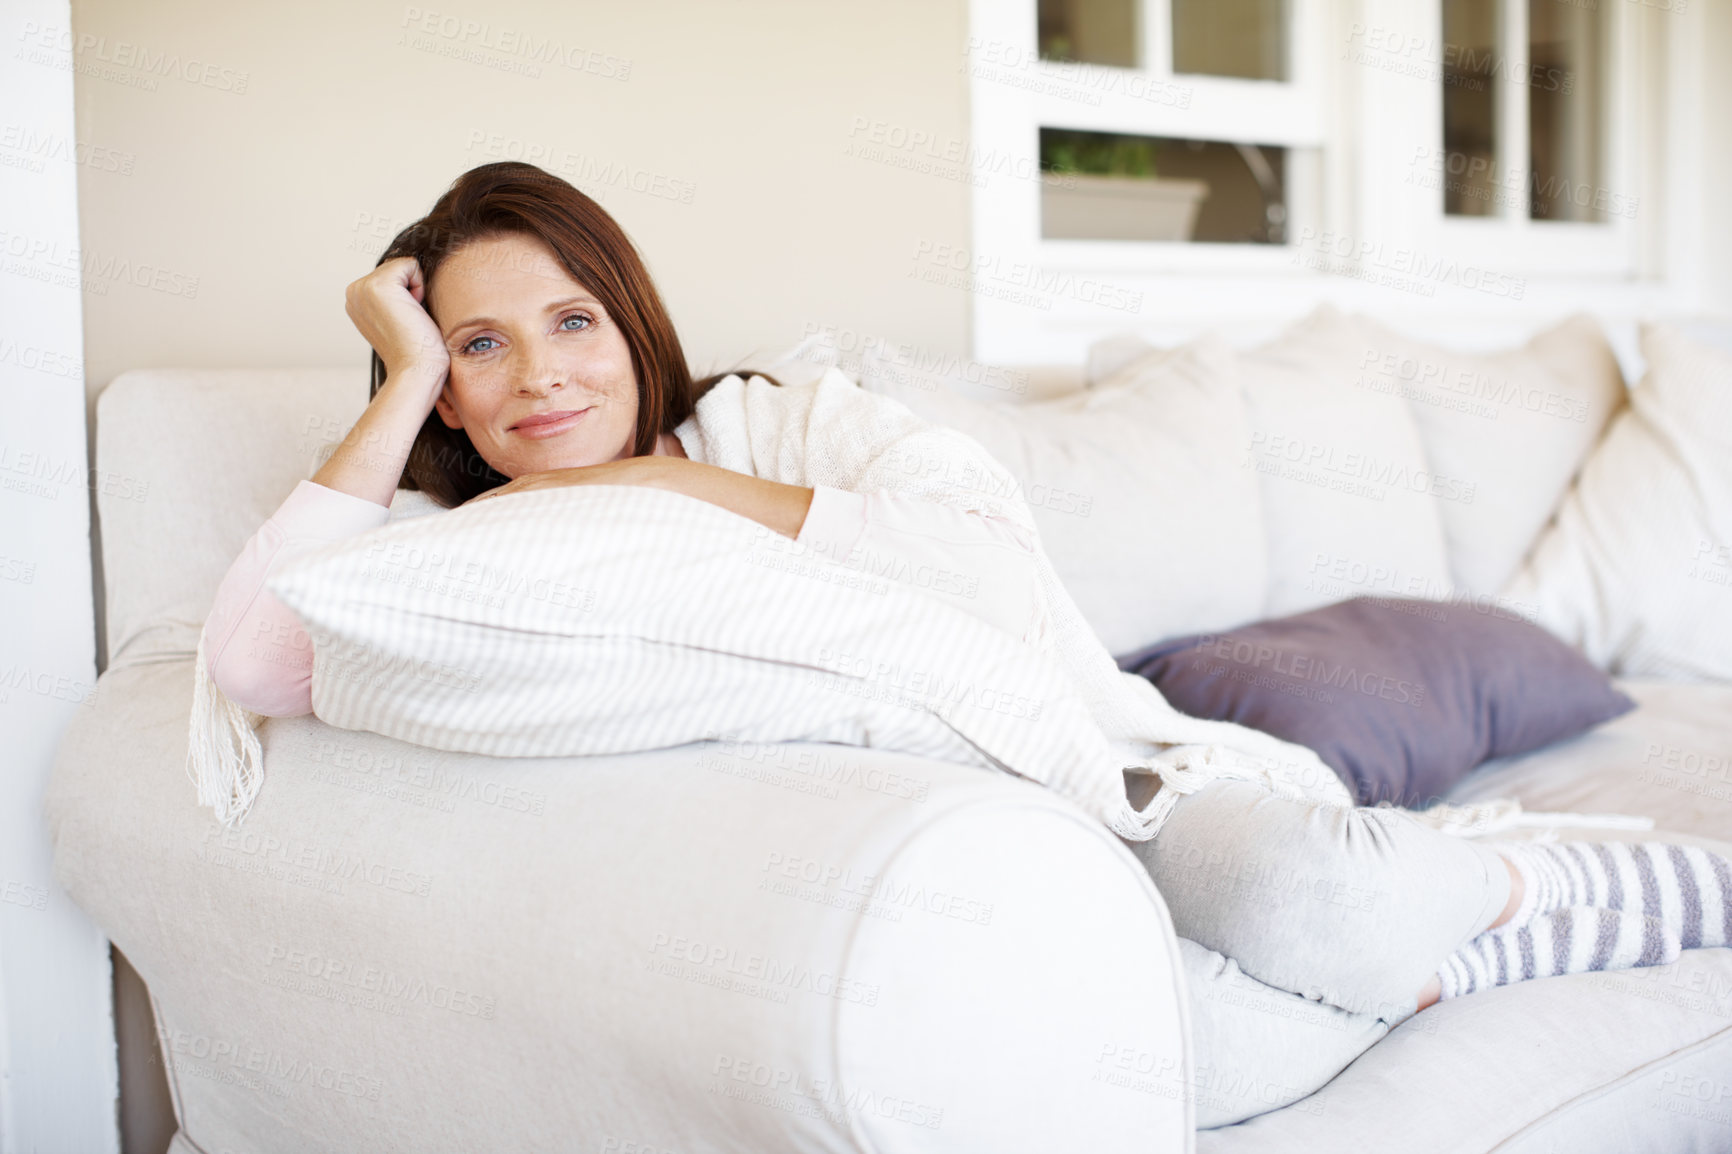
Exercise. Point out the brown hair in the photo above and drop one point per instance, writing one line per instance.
(508, 197)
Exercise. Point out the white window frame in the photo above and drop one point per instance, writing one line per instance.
(1016, 94)
(1409, 125)
(1352, 133)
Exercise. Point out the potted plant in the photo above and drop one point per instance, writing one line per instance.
(1096, 186)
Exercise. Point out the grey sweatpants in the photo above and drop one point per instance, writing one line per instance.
(1318, 924)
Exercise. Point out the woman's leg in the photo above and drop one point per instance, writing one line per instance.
(1255, 1048)
(1432, 991)
(1356, 907)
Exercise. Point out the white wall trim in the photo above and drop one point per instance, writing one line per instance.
(58, 1070)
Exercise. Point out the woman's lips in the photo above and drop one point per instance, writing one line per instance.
(548, 424)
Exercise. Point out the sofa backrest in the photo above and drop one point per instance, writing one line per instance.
(189, 464)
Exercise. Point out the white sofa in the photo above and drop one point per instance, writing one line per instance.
(812, 948)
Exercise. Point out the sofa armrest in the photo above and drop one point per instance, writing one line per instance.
(715, 947)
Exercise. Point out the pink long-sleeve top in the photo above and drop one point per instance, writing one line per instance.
(259, 655)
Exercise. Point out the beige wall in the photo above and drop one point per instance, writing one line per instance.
(734, 119)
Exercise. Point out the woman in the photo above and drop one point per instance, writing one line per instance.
(519, 343)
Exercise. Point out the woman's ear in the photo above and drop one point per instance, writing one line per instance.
(446, 410)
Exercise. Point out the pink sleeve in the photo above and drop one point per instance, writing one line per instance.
(256, 650)
(985, 565)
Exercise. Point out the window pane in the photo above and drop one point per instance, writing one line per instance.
(1470, 106)
(1093, 31)
(1566, 85)
(1245, 38)
(1103, 186)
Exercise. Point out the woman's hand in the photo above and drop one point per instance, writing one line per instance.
(386, 306)
(529, 482)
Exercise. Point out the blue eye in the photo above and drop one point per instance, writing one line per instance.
(575, 317)
(470, 347)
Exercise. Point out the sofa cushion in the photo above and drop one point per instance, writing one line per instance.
(1401, 697)
(1637, 568)
(1343, 472)
(1136, 485)
(1670, 759)
(1504, 432)
(1497, 1070)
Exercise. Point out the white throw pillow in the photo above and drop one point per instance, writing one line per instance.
(1339, 466)
(1637, 568)
(595, 619)
(1504, 432)
(1136, 487)
(406, 503)
(608, 618)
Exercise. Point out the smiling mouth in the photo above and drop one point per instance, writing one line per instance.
(548, 424)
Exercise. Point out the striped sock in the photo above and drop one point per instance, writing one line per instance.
(1572, 940)
(1688, 889)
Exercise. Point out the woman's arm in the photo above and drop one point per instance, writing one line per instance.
(386, 307)
(983, 565)
(256, 649)
(769, 503)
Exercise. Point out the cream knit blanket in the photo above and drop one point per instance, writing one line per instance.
(832, 432)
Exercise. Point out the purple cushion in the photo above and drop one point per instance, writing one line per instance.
(1402, 698)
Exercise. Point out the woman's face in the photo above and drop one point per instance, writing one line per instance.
(541, 378)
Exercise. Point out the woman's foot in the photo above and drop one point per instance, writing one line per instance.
(1687, 889)
(1573, 940)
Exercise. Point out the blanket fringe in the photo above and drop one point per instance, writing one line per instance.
(223, 755)
(1177, 777)
(1485, 818)
(1471, 820)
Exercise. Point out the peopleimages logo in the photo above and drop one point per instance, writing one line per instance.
(1393, 266)
(1019, 282)
(1483, 178)
(448, 34)
(926, 686)
(930, 370)
(44, 258)
(88, 54)
(1462, 387)
(36, 147)
(281, 1068)
(1361, 474)
(1458, 65)
(1021, 66)
(769, 1084)
(1310, 668)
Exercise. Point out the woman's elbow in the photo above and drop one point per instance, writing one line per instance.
(263, 687)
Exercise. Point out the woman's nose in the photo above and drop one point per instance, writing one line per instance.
(535, 375)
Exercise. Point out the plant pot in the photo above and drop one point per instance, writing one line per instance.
(1075, 206)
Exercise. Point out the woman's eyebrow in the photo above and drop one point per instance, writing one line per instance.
(551, 308)
(569, 301)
